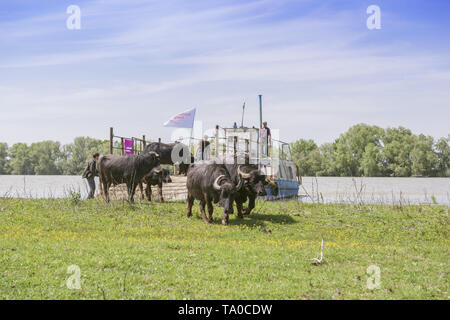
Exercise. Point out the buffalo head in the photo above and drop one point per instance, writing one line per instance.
(272, 185)
(227, 191)
(151, 159)
(161, 174)
(254, 181)
(166, 176)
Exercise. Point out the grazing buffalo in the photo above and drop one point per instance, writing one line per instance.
(129, 169)
(156, 177)
(171, 153)
(254, 184)
(210, 182)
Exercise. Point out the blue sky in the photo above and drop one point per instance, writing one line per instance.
(135, 63)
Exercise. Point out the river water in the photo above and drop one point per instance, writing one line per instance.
(326, 189)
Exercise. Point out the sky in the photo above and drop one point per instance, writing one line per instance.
(133, 64)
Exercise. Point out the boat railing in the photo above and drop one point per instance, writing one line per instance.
(231, 144)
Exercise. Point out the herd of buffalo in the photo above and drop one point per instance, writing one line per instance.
(209, 181)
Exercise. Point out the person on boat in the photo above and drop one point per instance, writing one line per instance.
(90, 172)
(202, 152)
(266, 138)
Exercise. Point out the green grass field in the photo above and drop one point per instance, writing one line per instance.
(152, 251)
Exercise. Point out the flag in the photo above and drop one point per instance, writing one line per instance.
(128, 146)
(182, 120)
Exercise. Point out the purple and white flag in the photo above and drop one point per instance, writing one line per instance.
(182, 120)
(128, 146)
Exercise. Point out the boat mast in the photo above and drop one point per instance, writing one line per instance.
(243, 110)
(260, 111)
(259, 133)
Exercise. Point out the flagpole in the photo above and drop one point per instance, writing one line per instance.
(190, 136)
(243, 110)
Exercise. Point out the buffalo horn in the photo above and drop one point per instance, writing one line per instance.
(216, 182)
(239, 185)
(243, 175)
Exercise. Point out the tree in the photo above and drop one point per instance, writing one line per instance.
(316, 162)
(443, 154)
(20, 162)
(351, 146)
(78, 153)
(4, 163)
(45, 157)
(301, 154)
(398, 144)
(424, 161)
(328, 160)
(371, 162)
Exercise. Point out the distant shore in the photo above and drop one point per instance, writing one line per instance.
(385, 190)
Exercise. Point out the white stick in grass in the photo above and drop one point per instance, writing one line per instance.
(317, 261)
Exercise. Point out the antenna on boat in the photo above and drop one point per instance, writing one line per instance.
(259, 134)
(243, 110)
(260, 111)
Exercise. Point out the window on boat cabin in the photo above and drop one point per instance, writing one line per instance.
(282, 172)
(291, 174)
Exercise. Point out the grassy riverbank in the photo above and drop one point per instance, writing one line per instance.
(152, 251)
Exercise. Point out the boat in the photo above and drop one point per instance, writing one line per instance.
(273, 159)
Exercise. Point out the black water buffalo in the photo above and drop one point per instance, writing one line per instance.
(156, 177)
(210, 182)
(271, 184)
(169, 156)
(253, 184)
(129, 169)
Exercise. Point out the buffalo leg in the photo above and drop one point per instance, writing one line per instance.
(189, 203)
(141, 188)
(131, 190)
(106, 186)
(160, 192)
(210, 210)
(100, 186)
(251, 204)
(148, 192)
(202, 209)
(239, 209)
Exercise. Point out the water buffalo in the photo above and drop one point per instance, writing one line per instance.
(254, 184)
(210, 182)
(271, 184)
(165, 152)
(157, 176)
(129, 169)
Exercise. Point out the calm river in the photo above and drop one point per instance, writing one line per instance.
(327, 189)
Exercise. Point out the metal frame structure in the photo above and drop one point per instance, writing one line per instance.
(138, 144)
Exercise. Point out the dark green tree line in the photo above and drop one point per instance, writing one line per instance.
(374, 152)
(4, 167)
(49, 157)
(361, 151)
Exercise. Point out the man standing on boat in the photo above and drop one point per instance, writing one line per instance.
(266, 138)
(90, 172)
